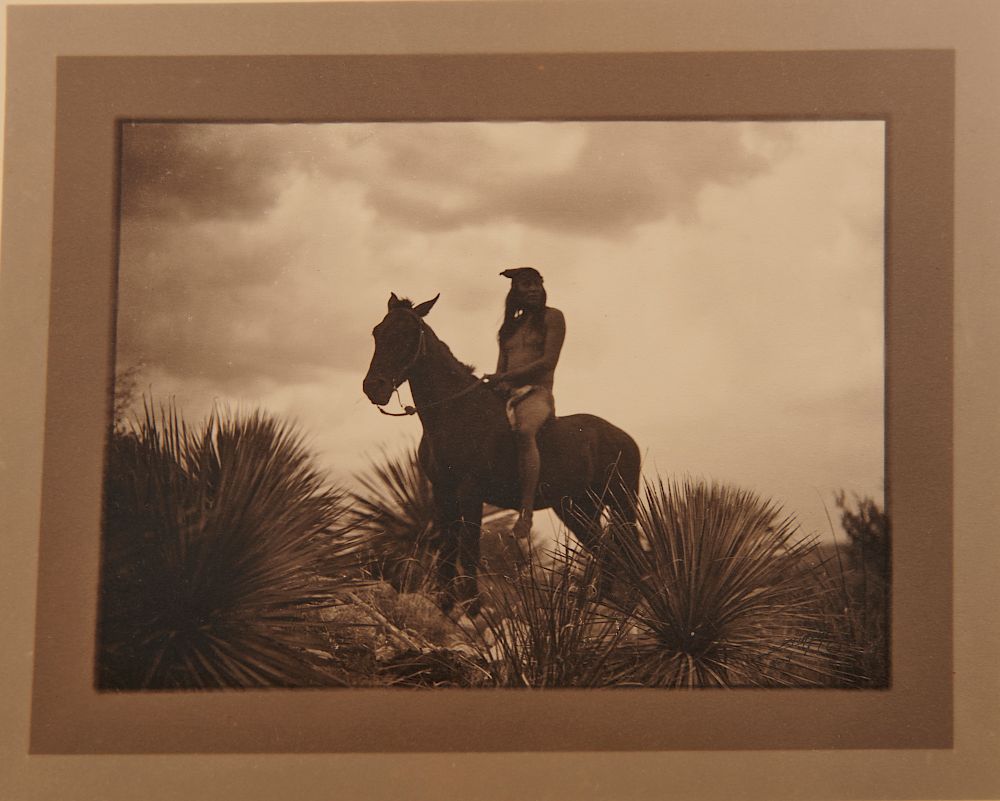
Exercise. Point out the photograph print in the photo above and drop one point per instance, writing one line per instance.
(498, 405)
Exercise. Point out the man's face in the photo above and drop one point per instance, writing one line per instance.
(529, 290)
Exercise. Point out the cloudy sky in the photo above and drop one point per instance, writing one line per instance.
(722, 282)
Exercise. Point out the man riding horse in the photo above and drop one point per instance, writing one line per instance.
(576, 465)
(530, 338)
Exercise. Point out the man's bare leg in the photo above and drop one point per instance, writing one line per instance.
(529, 467)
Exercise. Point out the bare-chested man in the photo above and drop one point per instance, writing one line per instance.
(530, 339)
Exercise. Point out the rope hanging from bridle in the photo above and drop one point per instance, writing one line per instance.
(410, 410)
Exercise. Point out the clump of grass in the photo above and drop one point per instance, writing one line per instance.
(219, 545)
(545, 626)
(722, 593)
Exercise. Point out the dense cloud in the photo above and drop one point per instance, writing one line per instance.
(439, 176)
(237, 240)
(593, 183)
(213, 299)
(196, 172)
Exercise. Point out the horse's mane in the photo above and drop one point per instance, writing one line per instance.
(406, 303)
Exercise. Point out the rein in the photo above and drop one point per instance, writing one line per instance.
(409, 410)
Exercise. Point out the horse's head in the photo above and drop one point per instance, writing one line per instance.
(399, 343)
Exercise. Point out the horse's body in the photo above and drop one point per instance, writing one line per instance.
(579, 454)
(469, 453)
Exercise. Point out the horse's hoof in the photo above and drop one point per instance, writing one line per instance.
(474, 625)
(522, 529)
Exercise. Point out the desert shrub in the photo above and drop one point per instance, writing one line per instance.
(863, 580)
(393, 517)
(722, 593)
(869, 537)
(545, 626)
(126, 393)
(219, 545)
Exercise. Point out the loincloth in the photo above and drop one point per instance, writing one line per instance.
(538, 394)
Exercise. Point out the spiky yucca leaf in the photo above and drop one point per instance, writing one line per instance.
(393, 516)
(218, 545)
(723, 593)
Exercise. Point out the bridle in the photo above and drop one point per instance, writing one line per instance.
(420, 351)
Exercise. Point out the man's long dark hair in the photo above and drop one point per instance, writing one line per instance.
(515, 315)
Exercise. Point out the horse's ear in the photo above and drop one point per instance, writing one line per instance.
(422, 309)
(393, 301)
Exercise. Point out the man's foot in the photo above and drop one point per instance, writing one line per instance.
(522, 528)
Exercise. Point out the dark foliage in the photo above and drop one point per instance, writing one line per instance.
(219, 547)
(723, 593)
(545, 625)
(392, 517)
(865, 589)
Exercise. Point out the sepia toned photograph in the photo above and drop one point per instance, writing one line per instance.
(497, 405)
(498, 400)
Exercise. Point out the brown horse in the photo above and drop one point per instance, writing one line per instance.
(468, 451)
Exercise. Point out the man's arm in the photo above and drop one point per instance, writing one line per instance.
(497, 377)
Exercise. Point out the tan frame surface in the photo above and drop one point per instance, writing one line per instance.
(912, 91)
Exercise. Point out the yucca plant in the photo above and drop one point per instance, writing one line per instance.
(546, 627)
(393, 516)
(219, 545)
(722, 593)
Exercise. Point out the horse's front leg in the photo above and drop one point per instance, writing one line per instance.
(448, 522)
(470, 505)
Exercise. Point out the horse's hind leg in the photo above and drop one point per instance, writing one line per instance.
(621, 484)
(582, 516)
(469, 533)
